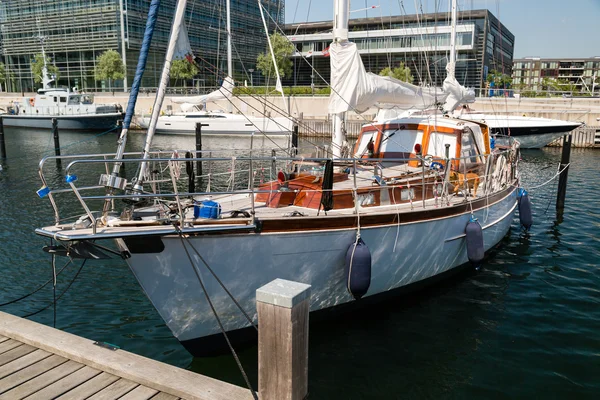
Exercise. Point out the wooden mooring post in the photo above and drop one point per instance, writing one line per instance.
(562, 179)
(283, 308)
(199, 126)
(56, 141)
(2, 145)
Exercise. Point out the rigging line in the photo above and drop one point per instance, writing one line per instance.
(214, 311)
(222, 284)
(296, 11)
(308, 10)
(61, 295)
(38, 288)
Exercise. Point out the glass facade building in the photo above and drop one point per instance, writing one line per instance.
(421, 42)
(77, 31)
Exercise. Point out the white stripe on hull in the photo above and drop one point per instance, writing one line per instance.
(246, 262)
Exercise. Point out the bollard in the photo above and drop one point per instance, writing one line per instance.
(294, 140)
(2, 145)
(282, 308)
(562, 179)
(199, 126)
(56, 141)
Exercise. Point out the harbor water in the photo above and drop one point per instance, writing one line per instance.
(526, 325)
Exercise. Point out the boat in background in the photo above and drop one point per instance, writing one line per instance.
(193, 108)
(73, 110)
(531, 132)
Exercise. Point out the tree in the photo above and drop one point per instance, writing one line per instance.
(109, 65)
(500, 80)
(401, 73)
(36, 68)
(183, 69)
(283, 50)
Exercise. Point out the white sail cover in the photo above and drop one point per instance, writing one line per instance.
(223, 93)
(352, 88)
(457, 94)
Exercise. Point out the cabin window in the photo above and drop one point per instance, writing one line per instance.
(55, 99)
(87, 99)
(74, 100)
(366, 137)
(468, 147)
(437, 144)
(400, 143)
(63, 99)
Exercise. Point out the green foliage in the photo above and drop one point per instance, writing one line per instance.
(2, 73)
(501, 81)
(293, 91)
(183, 69)
(109, 65)
(401, 73)
(36, 68)
(283, 50)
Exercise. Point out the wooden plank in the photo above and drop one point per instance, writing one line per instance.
(23, 362)
(65, 384)
(115, 391)
(3, 339)
(140, 393)
(9, 345)
(164, 396)
(165, 378)
(15, 353)
(30, 372)
(90, 387)
(41, 381)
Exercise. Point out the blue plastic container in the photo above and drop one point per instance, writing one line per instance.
(207, 209)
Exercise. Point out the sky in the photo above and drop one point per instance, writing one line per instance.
(542, 28)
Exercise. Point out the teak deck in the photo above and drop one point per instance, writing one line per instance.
(40, 362)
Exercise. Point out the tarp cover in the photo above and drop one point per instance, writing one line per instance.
(223, 93)
(352, 88)
(457, 94)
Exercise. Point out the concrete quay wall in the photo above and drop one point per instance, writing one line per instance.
(585, 110)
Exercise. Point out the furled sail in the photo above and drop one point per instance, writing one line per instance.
(457, 94)
(352, 88)
(223, 93)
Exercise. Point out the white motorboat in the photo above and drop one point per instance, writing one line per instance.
(218, 123)
(416, 199)
(73, 110)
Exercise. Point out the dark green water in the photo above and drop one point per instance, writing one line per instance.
(527, 325)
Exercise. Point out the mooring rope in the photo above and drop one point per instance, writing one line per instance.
(214, 311)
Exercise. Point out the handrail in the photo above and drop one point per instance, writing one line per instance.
(174, 164)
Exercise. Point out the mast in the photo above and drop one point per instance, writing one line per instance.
(160, 95)
(278, 86)
(229, 58)
(46, 80)
(453, 38)
(341, 13)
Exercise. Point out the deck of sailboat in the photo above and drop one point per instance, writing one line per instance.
(237, 209)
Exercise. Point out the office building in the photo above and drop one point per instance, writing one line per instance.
(77, 31)
(421, 42)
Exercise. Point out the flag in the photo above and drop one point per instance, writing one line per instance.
(326, 52)
(309, 53)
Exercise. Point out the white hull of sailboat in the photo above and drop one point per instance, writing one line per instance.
(220, 124)
(402, 254)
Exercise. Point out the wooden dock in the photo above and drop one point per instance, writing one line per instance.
(40, 362)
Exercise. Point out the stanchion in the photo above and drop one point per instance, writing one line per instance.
(562, 179)
(56, 141)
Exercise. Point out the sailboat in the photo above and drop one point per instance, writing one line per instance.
(413, 201)
(215, 122)
(72, 109)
